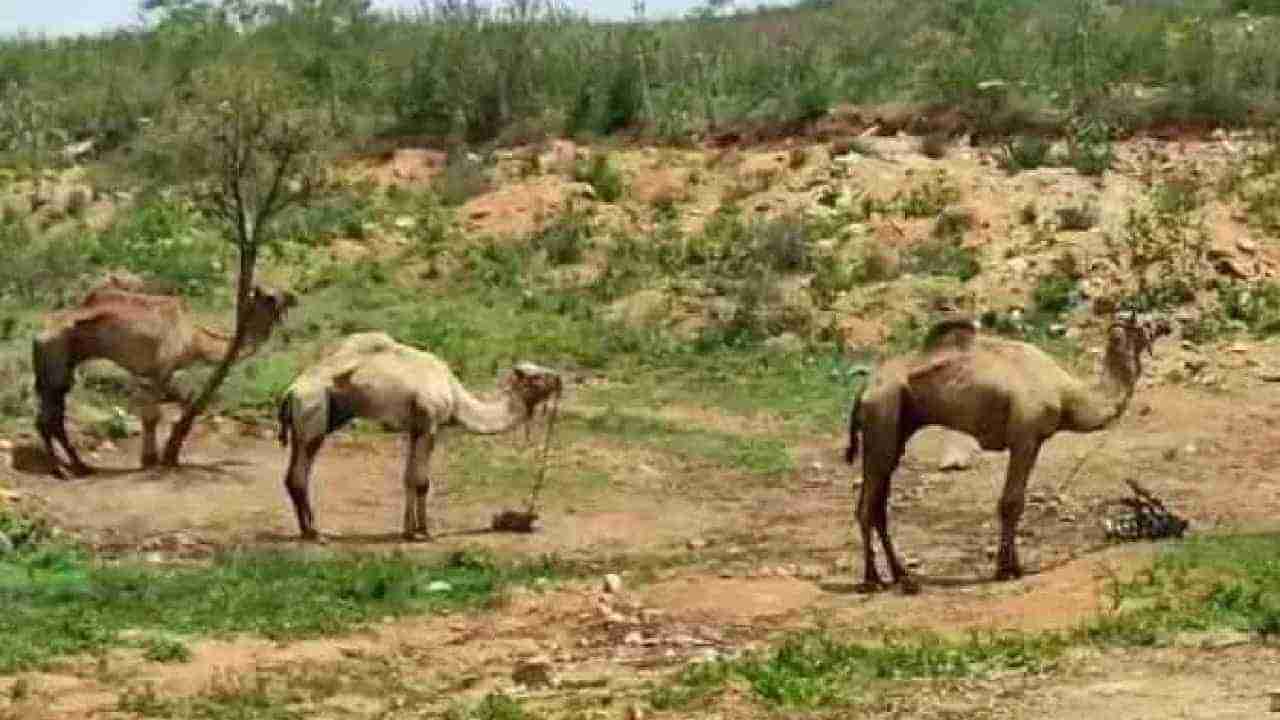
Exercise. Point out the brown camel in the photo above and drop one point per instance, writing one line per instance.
(370, 375)
(151, 336)
(1007, 395)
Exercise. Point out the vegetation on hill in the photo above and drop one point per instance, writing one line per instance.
(471, 72)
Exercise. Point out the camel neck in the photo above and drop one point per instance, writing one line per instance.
(1103, 403)
(487, 417)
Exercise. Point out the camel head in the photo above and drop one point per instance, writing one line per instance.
(533, 384)
(267, 308)
(1132, 333)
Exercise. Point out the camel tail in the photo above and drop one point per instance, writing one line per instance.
(855, 430)
(285, 416)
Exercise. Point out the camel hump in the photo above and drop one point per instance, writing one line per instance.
(958, 332)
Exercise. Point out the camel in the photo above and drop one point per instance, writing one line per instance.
(1006, 394)
(371, 375)
(151, 336)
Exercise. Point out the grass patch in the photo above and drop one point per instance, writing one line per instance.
(758, 456)
(816, 670)
(58, 603)
(1199, 585)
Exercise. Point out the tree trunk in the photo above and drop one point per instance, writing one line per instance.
(182, 428)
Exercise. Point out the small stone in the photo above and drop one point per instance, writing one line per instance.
(439, 586)
(612, 583)
(633, 638)
(815, 466)
(844, 564)
(911, 563)
(696, 544)
(650, 616)
(990, 551)
(1190, 449)
(6, 445)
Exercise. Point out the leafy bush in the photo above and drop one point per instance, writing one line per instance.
(165, 241)
(1055, 294)
(463, 178)
(565, 239)
(928, 198)
(1025, 152)
(942, 257)
(601, 175)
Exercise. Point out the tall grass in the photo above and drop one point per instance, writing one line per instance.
(514, 71)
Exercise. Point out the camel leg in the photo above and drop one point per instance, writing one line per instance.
(871, 488)
(880, 520)
(147, 408)
(52, 425)
(1022, 457)
(417, 481)
(422, 488)
(297, 480)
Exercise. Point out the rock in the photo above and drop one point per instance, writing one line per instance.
(1269, 375)
(439, 586)
(612, 583)
(699, 543)
(6, 545)
(534, 672)
(1247, 245)
(839, 584)
(107, 446)
(633, 638)
(1018, 266)
(6, 445)
(406, 222)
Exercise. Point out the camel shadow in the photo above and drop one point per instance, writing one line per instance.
(379, 538)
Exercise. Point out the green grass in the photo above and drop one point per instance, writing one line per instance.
(755, 455)
(816, 670)
(58, 603)
(1204, 584)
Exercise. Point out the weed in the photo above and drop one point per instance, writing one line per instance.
(1055, 294)
(1027, 214)
(602, 176)
(57, 604)
(494, 706)
(927, 198)
(1089, 148)
(942, 257)
(1025, 152)
(565, 239)
(167, 650)
(952, 223)
(463, 178)
(814, 670)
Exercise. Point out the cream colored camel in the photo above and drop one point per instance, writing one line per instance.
(1007, 395)
(370, 375)
(151, 336)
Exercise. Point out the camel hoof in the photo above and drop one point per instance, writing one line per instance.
(150, 461)
(313, 536)
(869, 587)
(82, 471)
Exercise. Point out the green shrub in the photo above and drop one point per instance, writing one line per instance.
(463, 178)
(942, 257)
(565, 239)
(602, 176)
(1055, 294)
(1025, 152)
(167, 242)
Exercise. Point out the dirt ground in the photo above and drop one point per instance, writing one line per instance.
(1211, 455)
(748, 555)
